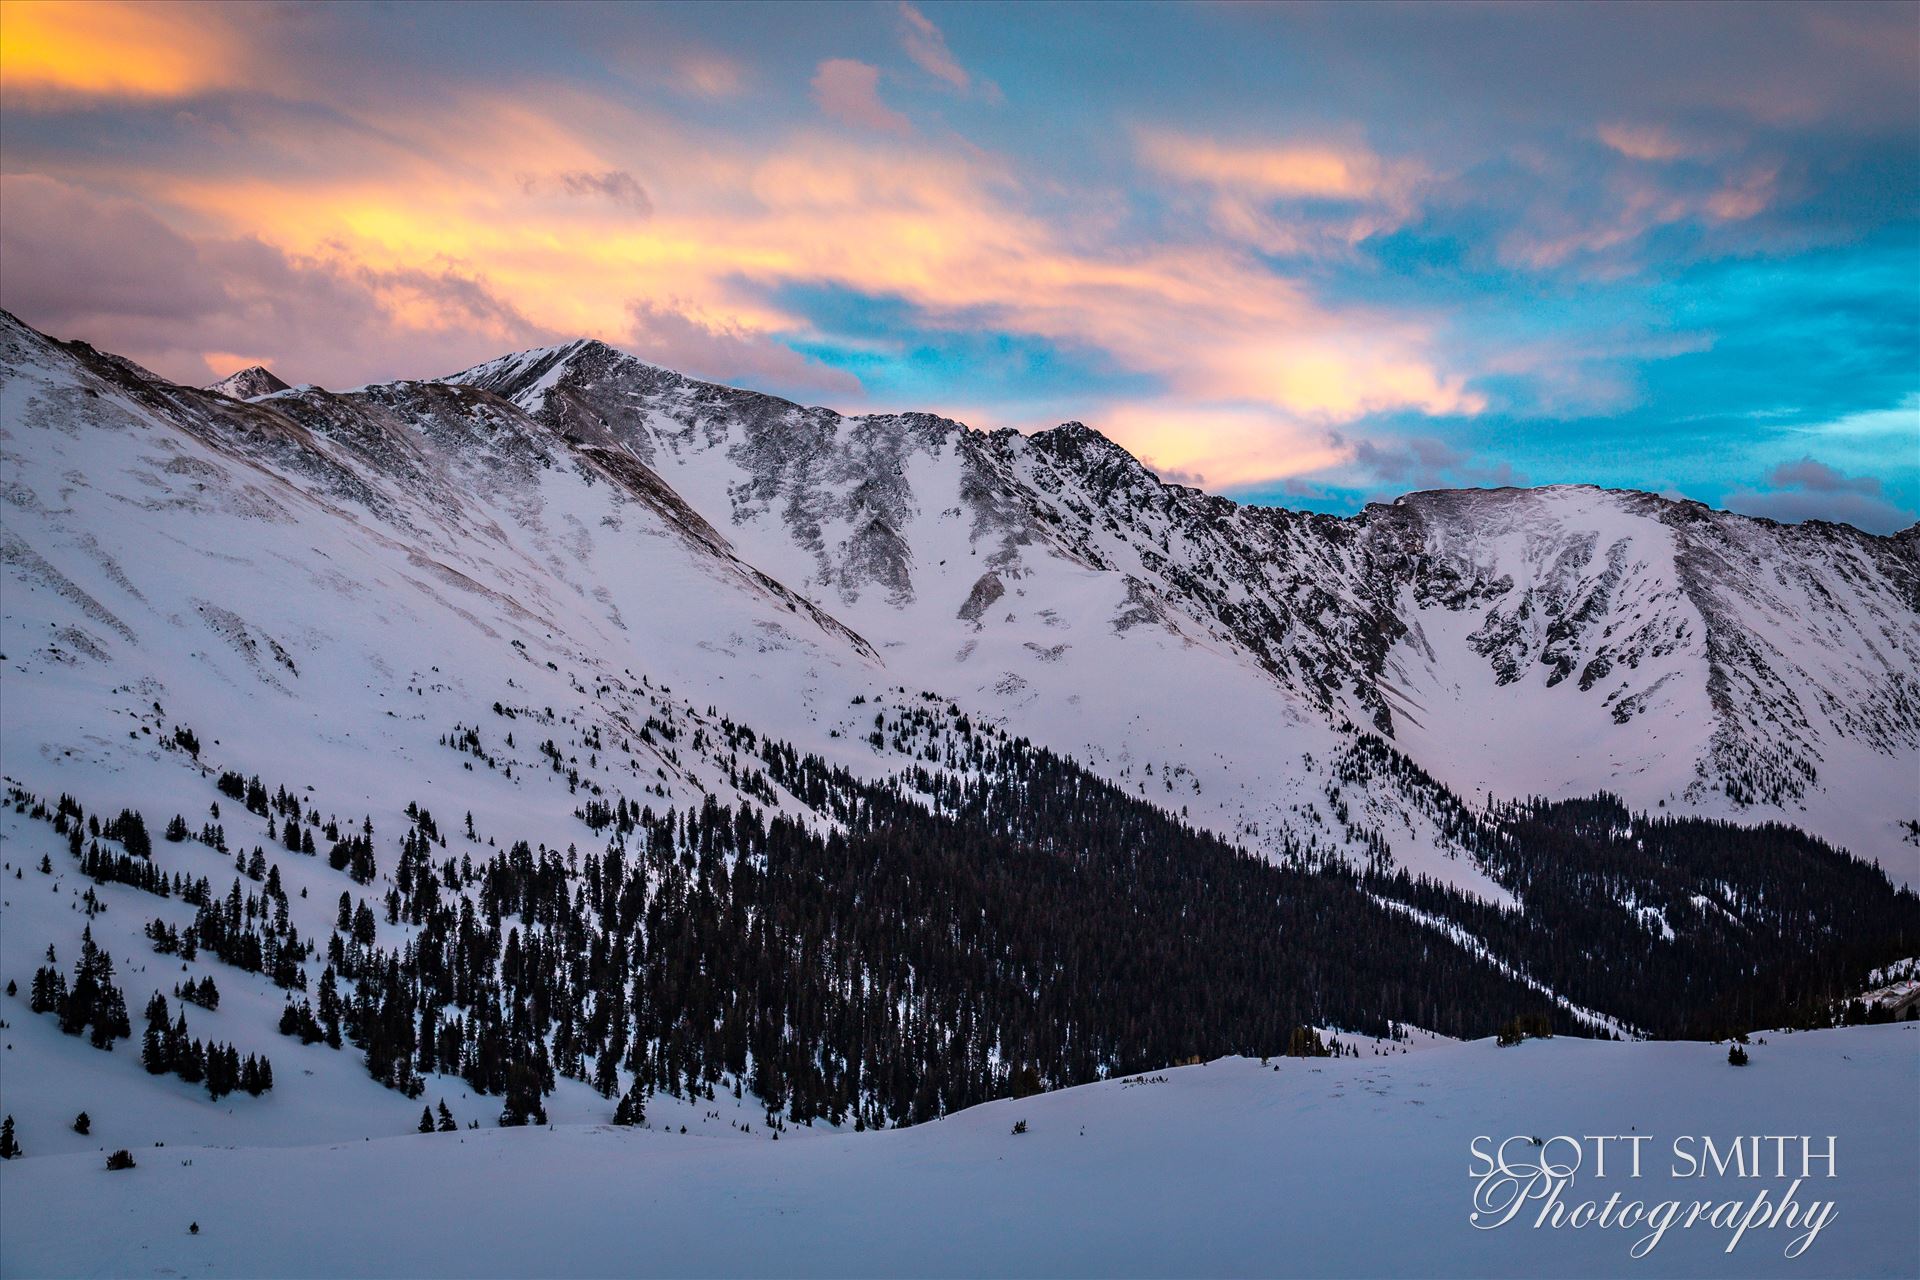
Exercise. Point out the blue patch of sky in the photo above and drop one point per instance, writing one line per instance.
(904, 362)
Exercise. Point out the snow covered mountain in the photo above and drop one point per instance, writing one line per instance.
(639, 531)
(798, 773)
(1557, 641)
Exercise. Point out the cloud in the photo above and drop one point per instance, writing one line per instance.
(1195, 443)
(616, 186)
(1244, 360)
(1818, 477)
(928, 48)
(1283, 223)
(717, 351)
(108, 271)
(1175, 475)
(1287, 170)
(1289, 197)
(849, 91)
(1744, 195)
(1566, 217)
(709, 75)
(1812, 490)
(106, 50)
(1648, 142)
(1350, 471)
(1420, 462)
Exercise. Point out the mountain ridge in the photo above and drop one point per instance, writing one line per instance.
(1558, 640)
(547, 360)
(1329, 622)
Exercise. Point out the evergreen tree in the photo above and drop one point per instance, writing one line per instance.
(523, 1098)
(94, 1004)
(9, 1145)
(190, 1058)
(155, 1045)
(632, 1108)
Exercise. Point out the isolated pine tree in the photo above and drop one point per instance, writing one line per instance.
(426, 1120)
(131, 830)
(9, 1145)
(446, 1118)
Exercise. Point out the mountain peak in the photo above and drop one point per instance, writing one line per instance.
(1078, 440)
(249, 383)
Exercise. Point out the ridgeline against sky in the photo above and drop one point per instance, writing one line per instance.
(1312, 255)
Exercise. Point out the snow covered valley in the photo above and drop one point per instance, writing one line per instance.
(1349, 1166)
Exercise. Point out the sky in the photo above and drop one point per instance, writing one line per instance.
(1307, 255)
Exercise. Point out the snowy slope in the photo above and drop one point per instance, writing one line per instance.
(364, 572)
(1307, 1167)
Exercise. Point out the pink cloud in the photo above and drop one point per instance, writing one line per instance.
(927, 46)
(1290, 196)
(417, 248)
(1648, 142)
(108, 271)
(849, 91)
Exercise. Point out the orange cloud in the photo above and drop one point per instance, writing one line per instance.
(412, 196)
(1326, 172)
(942, 231)
(1219, 447)
(1250, 187)
(50, 49)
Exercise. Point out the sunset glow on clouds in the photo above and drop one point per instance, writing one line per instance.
(1305, 255)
